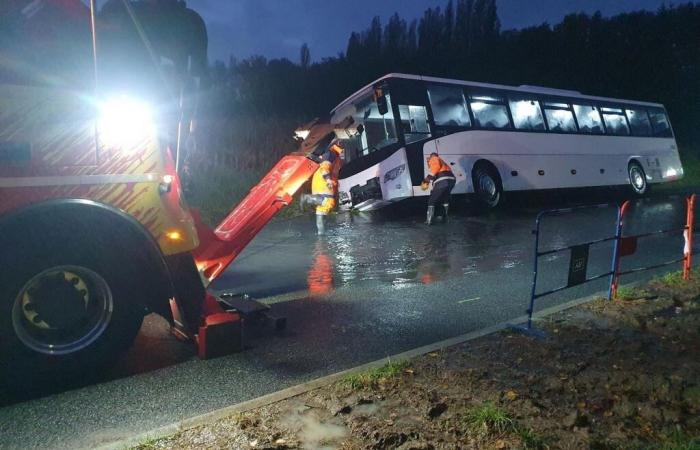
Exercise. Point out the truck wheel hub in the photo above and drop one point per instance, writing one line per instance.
(62, 310)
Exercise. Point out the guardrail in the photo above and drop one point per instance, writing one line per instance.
(624, 246)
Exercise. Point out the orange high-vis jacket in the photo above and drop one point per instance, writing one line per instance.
(327, 173)
(437, 168)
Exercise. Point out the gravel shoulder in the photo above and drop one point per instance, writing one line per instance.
(606, 375)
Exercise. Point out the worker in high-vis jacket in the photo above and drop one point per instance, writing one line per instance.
(324, 185)
(443, 180)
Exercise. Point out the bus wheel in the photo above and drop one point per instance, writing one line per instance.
(65, 308)
(487, 186)
(638, 179)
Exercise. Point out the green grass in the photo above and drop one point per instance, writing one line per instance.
(530, 440)
(149, 444)
(490, 418)
(672, 278)
(691, 174)
(371, 377)
(678, 440)
(626, 293)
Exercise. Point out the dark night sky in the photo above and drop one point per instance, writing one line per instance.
(278, 28)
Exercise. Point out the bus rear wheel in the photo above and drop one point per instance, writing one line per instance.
(638, 178)
(487, 186)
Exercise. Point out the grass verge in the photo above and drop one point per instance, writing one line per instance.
(370, 378)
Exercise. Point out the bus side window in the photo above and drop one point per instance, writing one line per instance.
(414, 122)
(589, 120)
(527, 114)
(615, 121)
(659, 123)
(560, 117)
(490, 112)
(449, 106)
(639, 122)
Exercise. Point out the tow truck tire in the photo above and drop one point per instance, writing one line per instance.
(68, 305)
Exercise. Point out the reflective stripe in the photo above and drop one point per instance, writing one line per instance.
(76, 180)
(444, 178)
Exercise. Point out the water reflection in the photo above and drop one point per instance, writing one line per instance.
(320, 274)
(405, 252)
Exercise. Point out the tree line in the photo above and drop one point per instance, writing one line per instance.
(651, 56)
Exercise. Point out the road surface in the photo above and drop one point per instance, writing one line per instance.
(373, 287)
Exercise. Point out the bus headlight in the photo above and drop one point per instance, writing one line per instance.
(125, 124)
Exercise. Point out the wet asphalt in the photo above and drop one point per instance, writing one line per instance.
(376, 285)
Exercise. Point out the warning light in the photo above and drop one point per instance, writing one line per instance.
(174, 235)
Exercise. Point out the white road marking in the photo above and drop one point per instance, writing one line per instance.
(469, 300)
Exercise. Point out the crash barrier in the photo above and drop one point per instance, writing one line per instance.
(627, 245)
(623, 247)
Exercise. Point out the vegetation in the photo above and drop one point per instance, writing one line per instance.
(372, 377)
(625, 293)
(489, 418)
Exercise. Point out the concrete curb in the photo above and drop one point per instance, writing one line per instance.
(299, 389)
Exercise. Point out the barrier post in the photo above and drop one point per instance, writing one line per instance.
(615, 277)
(536, 232)
(688, 234)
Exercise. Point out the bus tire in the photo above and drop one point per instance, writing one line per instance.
(487, 185)
(637, 179)
(68, 306)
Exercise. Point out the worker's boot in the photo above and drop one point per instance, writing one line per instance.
(320, 225)
(446, 207)
(303, 200)
(429, 215)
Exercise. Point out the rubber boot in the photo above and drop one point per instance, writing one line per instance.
(446, 206)
(429, 215)
(303, 200)
(320, 225)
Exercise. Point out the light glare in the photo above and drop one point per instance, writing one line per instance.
(125, 124)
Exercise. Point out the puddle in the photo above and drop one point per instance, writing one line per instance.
(314, 432)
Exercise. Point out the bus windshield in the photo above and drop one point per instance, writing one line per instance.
(379, 129)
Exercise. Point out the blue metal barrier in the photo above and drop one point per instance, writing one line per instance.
(578, 263)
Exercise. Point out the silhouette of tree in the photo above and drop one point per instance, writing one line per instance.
(305, 56)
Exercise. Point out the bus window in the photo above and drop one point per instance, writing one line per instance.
(414, 122)
(659, 123)
(380, 130)
(449, 106)
(589, 120)
(526, 114)
(639, 122)
(490, 112)
(615, 121)
(560, 117)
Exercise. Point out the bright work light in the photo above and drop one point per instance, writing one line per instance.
(125, 124)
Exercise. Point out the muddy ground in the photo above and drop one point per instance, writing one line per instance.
(607, 375)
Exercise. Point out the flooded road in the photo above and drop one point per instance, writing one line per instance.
(371, 288)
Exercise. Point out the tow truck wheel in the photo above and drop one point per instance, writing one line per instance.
(64, 309)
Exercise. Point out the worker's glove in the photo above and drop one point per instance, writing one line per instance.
(424, 185)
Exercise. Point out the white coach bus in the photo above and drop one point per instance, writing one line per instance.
(497, 139)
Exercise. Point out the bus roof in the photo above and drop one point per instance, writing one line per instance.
(523, 88)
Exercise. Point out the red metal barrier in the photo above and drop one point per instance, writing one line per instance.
(627, 246)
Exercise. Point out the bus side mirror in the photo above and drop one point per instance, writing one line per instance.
(380, 98)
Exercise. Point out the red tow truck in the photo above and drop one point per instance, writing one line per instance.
(94, 229)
